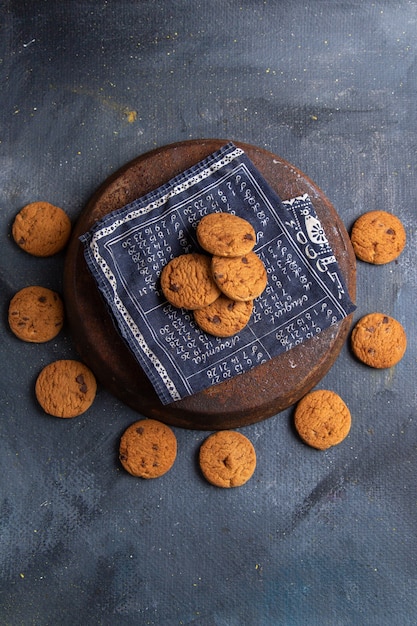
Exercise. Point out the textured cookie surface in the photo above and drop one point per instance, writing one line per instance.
(41, 229)
(187, 281)
(322, 419)
(227, 459)
(240, 278)
(36, 314)
(65, 388)
(379, 340)
(378, 237)
(148, 449)
(225, 317)
(224, 234)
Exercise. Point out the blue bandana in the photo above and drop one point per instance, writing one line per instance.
(127, 250)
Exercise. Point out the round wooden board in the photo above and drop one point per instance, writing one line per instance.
(264, 391)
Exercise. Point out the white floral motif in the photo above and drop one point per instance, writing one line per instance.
(315, 230)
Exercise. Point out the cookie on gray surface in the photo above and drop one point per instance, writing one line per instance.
(41, 229)
(148, 449)
(36, 314)
(66, 388)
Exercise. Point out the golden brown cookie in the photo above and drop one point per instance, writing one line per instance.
(378, 237)
(187, 281)
(41, 229)
(148, 449)
(225, 317)
(224, 234)
(379, 340)
(227, 459)
(65, 388)
(240, 278)
(322, 419)
(36, 314)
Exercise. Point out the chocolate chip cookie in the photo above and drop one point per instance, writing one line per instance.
(379, 340)
(187, 281)
(148, 449)
(225, 234)
(240, 278)
(36, 314)
(41, 229)
(225, 317)
(378, 237)
(227, 459)
(322, 419)
(65, 388)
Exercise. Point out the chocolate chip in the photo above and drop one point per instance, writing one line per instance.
(174, 288)
(123, 457)
(231, 306)
(81, 381)
(155, 446)
(21, 241)
(215, 319)
(390, 231)
(385, 320)
(248, 237)
(139, 430)
(245, 260)
(42, 299)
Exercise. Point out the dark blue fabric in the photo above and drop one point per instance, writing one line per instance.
(127, 250)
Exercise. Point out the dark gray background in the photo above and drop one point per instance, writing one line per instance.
(315, 538)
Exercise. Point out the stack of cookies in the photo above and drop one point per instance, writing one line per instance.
(219, 289)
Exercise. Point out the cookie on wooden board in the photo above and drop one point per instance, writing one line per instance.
(240, 278)
(378, 237)
(148, 449)
(225, 234)
(379, 340)
(36, 314)
(322, 419)
(227, 459)
(65, 388)
(224, 317)
(187, 281)
(41, 229)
